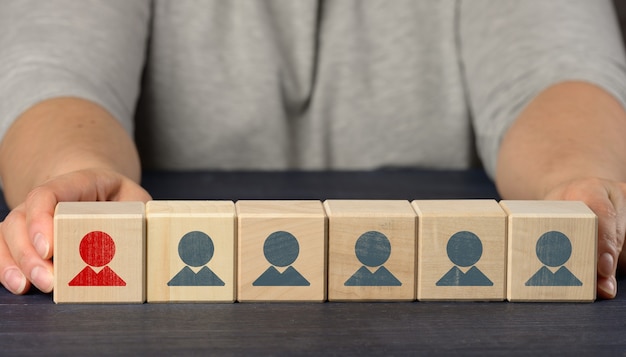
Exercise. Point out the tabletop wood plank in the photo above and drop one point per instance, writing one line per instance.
(33, 325)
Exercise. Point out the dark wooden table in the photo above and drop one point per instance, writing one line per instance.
(33, 325)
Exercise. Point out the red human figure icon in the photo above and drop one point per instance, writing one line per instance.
(97, 249)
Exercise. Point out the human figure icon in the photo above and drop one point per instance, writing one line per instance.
(464, 250)
(196, 250)
(281, 249)
(553, 250)
(97, 249)
(372, 250)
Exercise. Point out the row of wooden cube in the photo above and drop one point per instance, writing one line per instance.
(337, 250)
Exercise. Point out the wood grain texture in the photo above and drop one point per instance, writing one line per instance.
(478, 225)
(124, 223)
(270, 275)
(33, 326)
(169, 223)
(528, 222)
(349, 221)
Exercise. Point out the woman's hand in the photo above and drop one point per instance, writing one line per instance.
(26, 235)
(607, 199)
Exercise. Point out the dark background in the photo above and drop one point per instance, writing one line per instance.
(620, 7)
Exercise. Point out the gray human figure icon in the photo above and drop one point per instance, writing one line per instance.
(196, 249)
(281, 249)
(372, 250)
(553, 250)
(464, 250)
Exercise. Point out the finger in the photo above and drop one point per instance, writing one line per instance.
(130, 191)
(608, 242)
(39, 207)
(85, 185)
(97, 185)
(606, 200)
(41, 203)
(616, 215)
(607, 287)
(10, 274)
(618, 197)
(36, 269)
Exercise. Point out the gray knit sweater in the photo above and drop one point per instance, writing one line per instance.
(306, 84)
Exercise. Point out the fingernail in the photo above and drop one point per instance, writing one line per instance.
(15, 280)
(41, 245)
(42, 279)
(609, 287)
(606, 265)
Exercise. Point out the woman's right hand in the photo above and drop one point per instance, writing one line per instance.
(26, 234)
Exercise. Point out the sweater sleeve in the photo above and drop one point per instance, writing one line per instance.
(511, 50)
(92, 49)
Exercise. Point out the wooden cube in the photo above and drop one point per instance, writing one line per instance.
(282, 251)
(461, 250)
(551, 251)
(99, 252)
(371, 250)
(191, 251)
